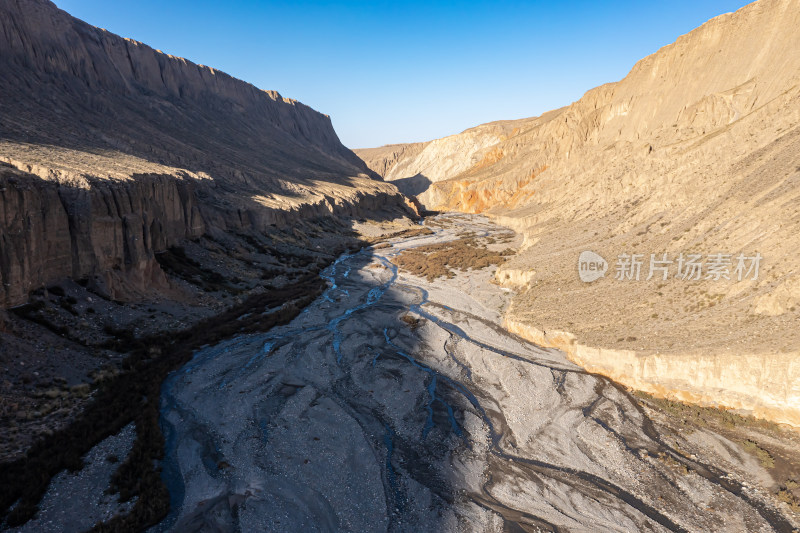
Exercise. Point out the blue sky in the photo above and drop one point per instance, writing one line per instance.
(391, 72)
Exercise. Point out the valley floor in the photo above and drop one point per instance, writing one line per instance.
(399, 403)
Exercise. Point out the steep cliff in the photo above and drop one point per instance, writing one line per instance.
(696, 150)
(114, 151)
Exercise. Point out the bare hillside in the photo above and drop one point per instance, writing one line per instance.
(696, 150)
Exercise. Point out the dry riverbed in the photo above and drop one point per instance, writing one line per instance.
(396, 402)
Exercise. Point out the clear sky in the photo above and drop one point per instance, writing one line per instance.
(390, 72)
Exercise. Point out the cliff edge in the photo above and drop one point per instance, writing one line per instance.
(113, 151)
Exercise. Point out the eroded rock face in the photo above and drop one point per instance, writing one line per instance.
(415, 167)
(51, 231)
(108, 232)
(388, 160)
(724, 79)
(696, 149)
(113, 151)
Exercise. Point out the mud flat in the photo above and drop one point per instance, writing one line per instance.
(396, 403)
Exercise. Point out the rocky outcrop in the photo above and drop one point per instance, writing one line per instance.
(764, 384)
(107, 232)
(50, 231)
(114, 151)
(696, 150)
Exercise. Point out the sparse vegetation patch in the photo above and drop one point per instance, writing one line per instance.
(442, 260)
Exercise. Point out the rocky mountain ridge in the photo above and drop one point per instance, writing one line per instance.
(114, 151)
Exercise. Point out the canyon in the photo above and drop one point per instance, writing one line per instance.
(215, 316)
(695, 151)
(146, 202)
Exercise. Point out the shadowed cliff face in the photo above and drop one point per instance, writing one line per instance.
(52, 231)
(108, 232)
(183, 204)
(115, 151)
(697, 151)
(120, 94)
